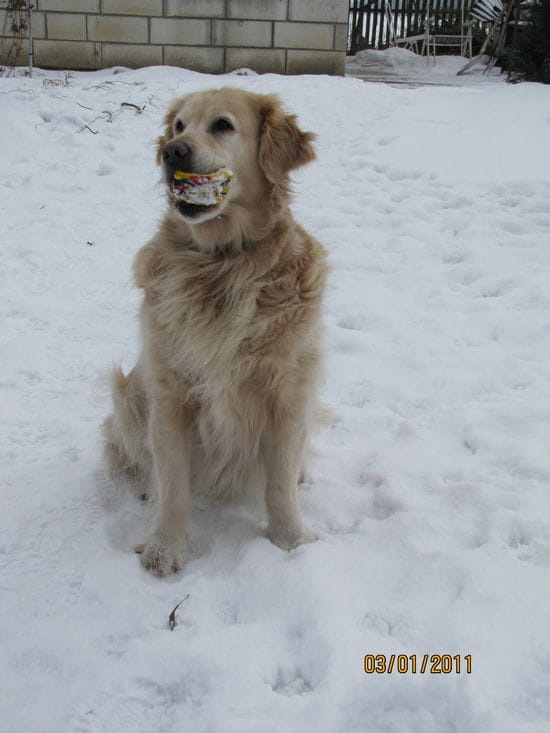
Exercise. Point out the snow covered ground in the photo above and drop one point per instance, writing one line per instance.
(429, 490)
(396, 65)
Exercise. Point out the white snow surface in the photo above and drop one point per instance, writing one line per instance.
(399, 65)
(428, 490)
(401, 59)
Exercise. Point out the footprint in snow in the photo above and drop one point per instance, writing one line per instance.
(104, 169)
(291, 682)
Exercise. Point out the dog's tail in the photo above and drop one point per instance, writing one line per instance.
(125, 431)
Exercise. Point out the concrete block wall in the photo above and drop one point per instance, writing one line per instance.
(213, 36)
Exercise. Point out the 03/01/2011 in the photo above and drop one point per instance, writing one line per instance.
(413, 663)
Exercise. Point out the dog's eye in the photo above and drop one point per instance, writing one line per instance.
(179, 126)
(222, 125)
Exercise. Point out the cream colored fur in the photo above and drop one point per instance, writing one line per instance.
(222, 394)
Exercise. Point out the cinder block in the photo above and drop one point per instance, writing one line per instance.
(206, 60)
(340, 37)
(74, 6)
(241, 33)
(257, 9)
(315, 62)
(8, 55)
(67, 26)
(330, 11)
(196, 8)
(132, 7)
(264, 61)
(117, 29)
(128, 54)
(38, 25)
(175, 31)
(304, 35)
(67, 54)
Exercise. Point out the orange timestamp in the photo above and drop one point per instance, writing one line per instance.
(417, 664)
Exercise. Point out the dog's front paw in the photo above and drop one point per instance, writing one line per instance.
(288, 538)
(161, 558)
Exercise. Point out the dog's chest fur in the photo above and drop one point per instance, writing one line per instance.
(226, 319)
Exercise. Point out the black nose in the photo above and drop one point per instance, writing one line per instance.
(176, 154)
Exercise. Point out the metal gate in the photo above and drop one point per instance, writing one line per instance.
(369, 26)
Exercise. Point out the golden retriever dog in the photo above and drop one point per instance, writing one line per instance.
(224, 389)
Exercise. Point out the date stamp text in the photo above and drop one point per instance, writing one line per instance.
(417, 664)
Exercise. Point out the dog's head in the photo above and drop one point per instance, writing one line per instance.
(227, 154)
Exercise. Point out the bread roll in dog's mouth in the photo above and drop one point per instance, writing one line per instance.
(196, 193)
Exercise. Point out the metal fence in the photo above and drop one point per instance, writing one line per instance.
(369, 26)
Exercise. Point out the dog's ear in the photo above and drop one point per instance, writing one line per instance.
(168, 134)
(283, 146)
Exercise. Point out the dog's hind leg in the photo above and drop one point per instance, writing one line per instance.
(125, 431)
